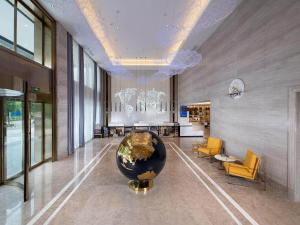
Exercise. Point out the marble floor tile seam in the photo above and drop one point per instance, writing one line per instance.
(261, 213)
(62, 204)
(210, 190)
(216, 184)
(68, 187)
(68, 212)
(262, 205)
(61, 199)
(46, 213)
(53, 207)
(231, 204)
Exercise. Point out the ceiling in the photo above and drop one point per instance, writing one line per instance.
(139, 33)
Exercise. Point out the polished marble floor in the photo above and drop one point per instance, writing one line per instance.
(87, 188)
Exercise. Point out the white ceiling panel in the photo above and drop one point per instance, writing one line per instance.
(138, 29)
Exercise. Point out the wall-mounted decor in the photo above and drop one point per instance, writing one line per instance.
(140, 99)
(236, 88)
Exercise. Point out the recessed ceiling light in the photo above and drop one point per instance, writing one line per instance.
(188, 23)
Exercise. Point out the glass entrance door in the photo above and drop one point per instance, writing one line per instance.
(41, 132)
(13, 145)
(48, 130)
(36, 130)
(13, 131)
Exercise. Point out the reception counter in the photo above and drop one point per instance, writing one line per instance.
(188, 130)
(162, 129)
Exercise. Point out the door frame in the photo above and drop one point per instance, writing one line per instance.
(44, 159)
(3, 178)
(4, 134)
(293, 181)
(1, 142)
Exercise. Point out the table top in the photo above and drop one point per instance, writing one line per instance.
(143, 125)
(225, 158)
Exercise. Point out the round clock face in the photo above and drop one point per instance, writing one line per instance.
(236, 88)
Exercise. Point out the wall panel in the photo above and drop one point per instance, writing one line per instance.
(259, 43)
(62, 92)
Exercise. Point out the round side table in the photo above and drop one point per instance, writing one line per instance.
(224, 158)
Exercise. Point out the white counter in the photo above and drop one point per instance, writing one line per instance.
(188, 130)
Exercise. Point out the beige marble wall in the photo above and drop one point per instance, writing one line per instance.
(62, 92)
(297, 164)
(259, 43)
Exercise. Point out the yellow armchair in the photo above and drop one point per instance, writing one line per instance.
(213, 147)
(247, 170)
(197, 145)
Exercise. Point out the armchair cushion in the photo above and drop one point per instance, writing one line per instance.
(238, 170)
(212, 148)
(247, 170)
(214, 143)
(206, 151)
(198, 145)
(231, 165)
(250, 160)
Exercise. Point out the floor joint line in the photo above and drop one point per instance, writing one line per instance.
(65, 188)
(221, 190)
(61, 205)
(231, 214)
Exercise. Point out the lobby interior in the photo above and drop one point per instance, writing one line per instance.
(149, 112)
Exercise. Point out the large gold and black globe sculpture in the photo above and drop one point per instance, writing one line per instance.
(140, 157)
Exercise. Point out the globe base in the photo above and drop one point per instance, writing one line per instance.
(140, 186)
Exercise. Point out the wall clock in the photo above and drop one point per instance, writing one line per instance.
(236, 88)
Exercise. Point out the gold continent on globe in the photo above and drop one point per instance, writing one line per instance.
(140, 157)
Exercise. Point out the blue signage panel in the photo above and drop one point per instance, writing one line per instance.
(183, 111)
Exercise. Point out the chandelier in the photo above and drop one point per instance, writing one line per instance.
(183, 60)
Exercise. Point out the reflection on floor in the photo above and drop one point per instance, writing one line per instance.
(10, 205)
(64, 193)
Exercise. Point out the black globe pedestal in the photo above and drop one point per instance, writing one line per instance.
(140, 157)
(140, 186)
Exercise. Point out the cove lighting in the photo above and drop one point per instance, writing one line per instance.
(88, 10)
(139, 62)
(199, 103)
(190, 20)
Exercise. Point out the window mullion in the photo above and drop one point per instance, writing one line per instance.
(43, 43)
(15, 25)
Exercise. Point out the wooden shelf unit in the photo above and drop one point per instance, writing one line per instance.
(199, 113)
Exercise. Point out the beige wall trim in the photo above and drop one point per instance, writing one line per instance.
(293, 148)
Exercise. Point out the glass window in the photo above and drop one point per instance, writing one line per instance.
(48, 131)
(32, 26)
(36, 119)
(32, 6)
(7, 24)
(29, 34)
(88, 97)
(76, 93)
(13, 139)
(98, 100)
(48, 47)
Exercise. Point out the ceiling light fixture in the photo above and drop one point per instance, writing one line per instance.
(88, 10)
(183, 60)
(140, 62)
(196, 10)
(189, 22)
